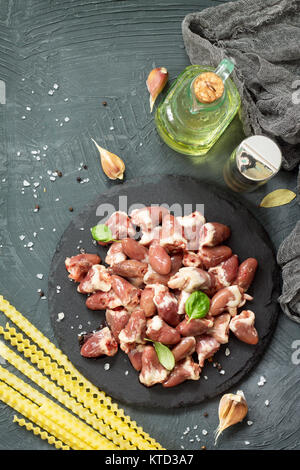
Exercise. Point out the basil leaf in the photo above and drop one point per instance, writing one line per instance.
(165, 355)
(101, 233)
(197, 305)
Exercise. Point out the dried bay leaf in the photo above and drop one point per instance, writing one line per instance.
(276, 198)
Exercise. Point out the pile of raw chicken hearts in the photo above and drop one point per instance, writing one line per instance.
(146, 283)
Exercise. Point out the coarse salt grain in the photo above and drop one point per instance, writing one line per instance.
(50, 92)
(55, 86)
(247, 443)
(106, 366)
(227, 352)
(60, 316)
(22, 237)
(26, 183)
(204, 432)
(249, 423)
(267, 402)
(40, 276)
(67, 119)
(262, 381)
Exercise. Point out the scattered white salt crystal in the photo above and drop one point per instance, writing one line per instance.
(23, 117)
(36, 185)
(52, 178)
(205, 377)
(249, 423)
(55, 86)
(38, 158)
(3, 180)
(54, 230)
(44, 297)
(61, 124)
(45, 147)
(40, 276)
(79, 327)
(126, 372)
(227, 352)
(267, 402)
(247, 443)
(22, 237)
(30, 244)
(67, 119)
(49, 109)
(32, 91)
(26, 183)
(192, 440)
(28, 108)
(204, 432)
(181, 447)
(106, 366)
(18, 154)
(196, 426)
(50, 92)
(262, 381)
(60, 316)
(34, 234)
(111, 128)
(66, 99)
(222, 372)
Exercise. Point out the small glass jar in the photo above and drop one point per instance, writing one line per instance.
(256, 160)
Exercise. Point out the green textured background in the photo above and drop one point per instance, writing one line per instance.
(96, 51)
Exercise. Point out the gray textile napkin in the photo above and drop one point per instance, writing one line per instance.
(288, 257)
(263, 39)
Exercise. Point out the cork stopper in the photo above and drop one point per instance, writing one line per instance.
(208, 87)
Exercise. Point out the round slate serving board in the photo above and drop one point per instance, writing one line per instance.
(120, 381)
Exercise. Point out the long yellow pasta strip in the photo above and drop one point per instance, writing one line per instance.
(44, 435)
(31, 411)
(62, 396)
(114, 427)
(116, 416)
(57, 414)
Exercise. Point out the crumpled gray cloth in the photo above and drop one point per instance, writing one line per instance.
(263, 39)
(288, 257)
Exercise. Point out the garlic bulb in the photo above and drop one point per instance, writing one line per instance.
(112, 165)
(232, 409)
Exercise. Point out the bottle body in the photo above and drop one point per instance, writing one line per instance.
(190, 132)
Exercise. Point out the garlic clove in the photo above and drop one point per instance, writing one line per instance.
(232, 409)
(112, 165)
(156, 82)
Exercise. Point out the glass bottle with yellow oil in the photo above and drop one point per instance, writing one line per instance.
(199, 106)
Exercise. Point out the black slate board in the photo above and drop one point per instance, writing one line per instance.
(248, 239)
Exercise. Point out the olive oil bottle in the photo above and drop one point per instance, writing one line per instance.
(199, 106)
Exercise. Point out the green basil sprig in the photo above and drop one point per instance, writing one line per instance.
(197, 305)
(102, 233)
(164, 354)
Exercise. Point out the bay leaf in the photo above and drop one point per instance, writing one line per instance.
(276, 198)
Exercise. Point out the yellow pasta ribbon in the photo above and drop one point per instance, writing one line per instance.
(44, 435)
(59, 368)
(57, 414)
(62, 396)
(31, 411)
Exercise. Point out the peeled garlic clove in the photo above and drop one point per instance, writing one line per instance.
(112, 165)
(156, 82)
(232, 409)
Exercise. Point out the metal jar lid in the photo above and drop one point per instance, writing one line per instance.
(258, 158)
